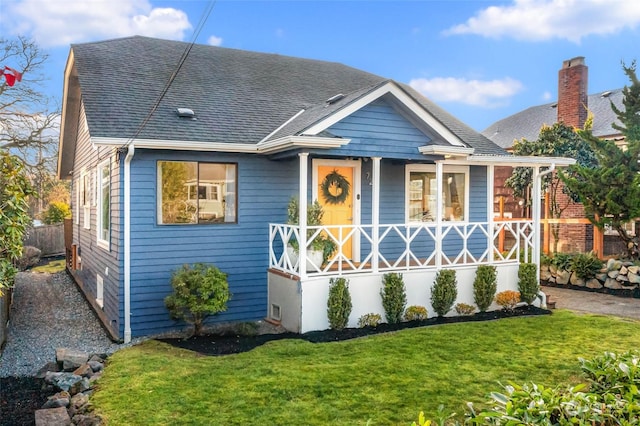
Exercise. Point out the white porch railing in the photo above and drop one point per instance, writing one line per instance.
(399, 247)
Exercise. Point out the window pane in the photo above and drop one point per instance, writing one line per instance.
(216, 193)
(453, 193)
(178, 187)
(422, 196)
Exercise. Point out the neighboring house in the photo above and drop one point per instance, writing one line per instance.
(572, 108)
(151, 126)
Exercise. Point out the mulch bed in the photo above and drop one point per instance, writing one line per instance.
(224, 345)
(21, 396)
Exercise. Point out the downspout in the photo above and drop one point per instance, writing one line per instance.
(127, 243)
(537, 185)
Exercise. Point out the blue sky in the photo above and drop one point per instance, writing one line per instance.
(480, 60)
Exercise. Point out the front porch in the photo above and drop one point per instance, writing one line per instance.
(298, 284)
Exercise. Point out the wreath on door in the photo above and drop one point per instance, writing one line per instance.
(335, 188)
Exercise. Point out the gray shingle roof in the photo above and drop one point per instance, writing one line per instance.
(527, 123)
(238, 96)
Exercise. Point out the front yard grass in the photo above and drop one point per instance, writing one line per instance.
(387, 378)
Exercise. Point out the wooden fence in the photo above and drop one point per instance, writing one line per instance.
(5, 304)
(49, 239)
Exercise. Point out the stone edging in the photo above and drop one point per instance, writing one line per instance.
(617, 277)
(73, 374)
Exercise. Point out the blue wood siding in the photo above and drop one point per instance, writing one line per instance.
(97, 260)
(377, 130)
(238, 249)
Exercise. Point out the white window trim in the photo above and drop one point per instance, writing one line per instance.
(85, 198)
(105, 244)
(432, 168)
(76, 185)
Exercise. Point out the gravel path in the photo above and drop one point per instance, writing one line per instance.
(49, 312)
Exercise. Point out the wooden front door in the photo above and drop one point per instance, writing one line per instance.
(339, 206)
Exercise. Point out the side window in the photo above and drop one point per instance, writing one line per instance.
(103, 208)
(197, 193)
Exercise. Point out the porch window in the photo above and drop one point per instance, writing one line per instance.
(422, 193)
(103, 209)
(191, 192)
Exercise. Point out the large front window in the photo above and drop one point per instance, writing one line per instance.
(423, 192)
(190, 192)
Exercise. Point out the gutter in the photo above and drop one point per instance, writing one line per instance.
(127, 243)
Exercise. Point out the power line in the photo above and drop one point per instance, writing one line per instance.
(185, 54)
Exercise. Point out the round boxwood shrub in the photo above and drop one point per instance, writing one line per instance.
(339, 303)
(369, 320)
(416, 313)
(444, 291)
(199, 291)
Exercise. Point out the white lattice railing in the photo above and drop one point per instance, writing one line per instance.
(399, 247)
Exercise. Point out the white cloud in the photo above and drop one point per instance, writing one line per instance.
(214, 41)
(55, 23)
(546, 96)
(487, 94)
(537, 20)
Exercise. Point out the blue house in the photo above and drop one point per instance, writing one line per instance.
(181, 154)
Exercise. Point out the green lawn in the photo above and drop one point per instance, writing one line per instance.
(52, 267)
(388, 378)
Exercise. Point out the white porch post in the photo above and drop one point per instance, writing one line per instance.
(375, 212)
(438, 244)
(535, 212)
(490, 194)
(302, 220)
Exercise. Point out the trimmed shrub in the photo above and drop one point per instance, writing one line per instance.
(56, 212)
(369, 320)
(586, 265)
(464, 309)
(394, 297)
(508, 299)
(416, 312)
(484, 286)
(444, 291)
(199, 291)
(339, 303)
(528, 284)
(562, 261)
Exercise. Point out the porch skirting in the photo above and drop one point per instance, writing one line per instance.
(301, 305)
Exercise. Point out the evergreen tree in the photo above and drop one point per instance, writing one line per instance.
(610, 191)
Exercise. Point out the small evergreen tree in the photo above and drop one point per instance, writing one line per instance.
(484, 286)
(339, 303)
(610, 191)
(394, 297)
(528, 285)
(444, 291)
(199, 291)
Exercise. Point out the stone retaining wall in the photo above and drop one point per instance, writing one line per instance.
(620, 277)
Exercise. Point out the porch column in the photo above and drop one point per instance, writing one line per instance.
(490, 183)
(535, 212)
(302, 220)
(440, 186)
(375, 212)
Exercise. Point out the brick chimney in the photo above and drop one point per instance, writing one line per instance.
(572, 92)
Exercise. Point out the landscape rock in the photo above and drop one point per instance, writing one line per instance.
(602, 276)
(61, 399)
(624, 270)
(64, 381)
(575, 280)
(562, 277)
(86, 420)
(30, 257)
(52, 416)
(78, 404)
(70, 359)
(50, 366)
(545, 275)
(613, 273)
(613, 284)
(633, 277)
(622, 278)
(96, 366)
(633, 269)
(80, 386)
(84, 370)
(594, 284)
